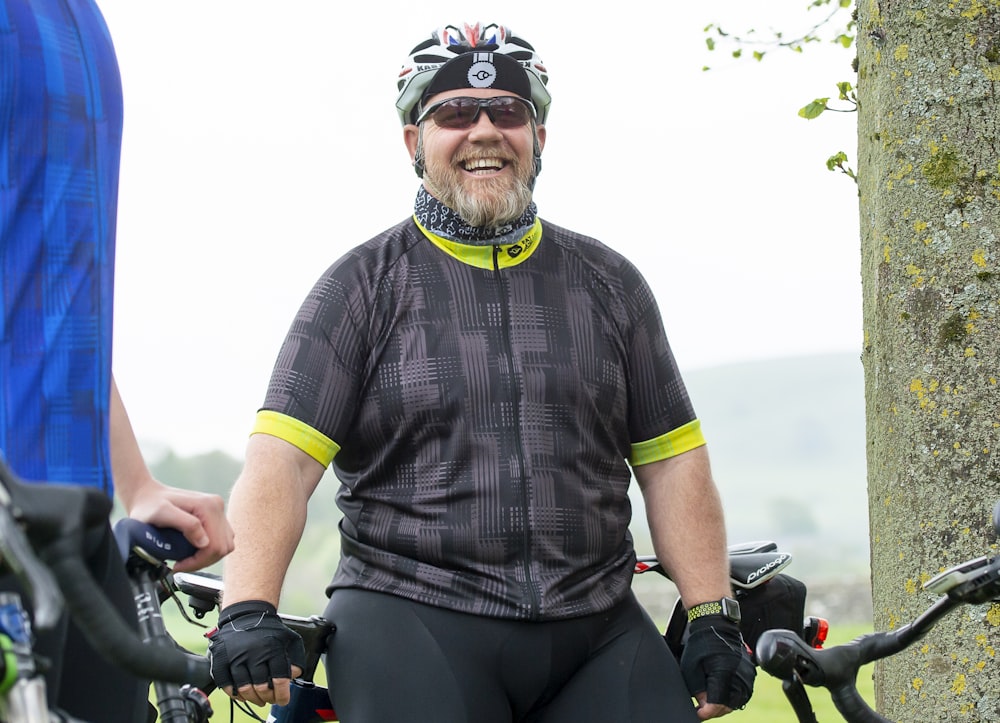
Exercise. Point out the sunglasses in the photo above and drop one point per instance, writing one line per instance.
(504, 111)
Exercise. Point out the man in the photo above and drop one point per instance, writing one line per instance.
(478, 378)
(61, 416)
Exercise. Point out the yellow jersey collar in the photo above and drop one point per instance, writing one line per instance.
(482, 256)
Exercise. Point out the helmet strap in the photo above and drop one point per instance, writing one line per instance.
(418, 154)
(537, 154)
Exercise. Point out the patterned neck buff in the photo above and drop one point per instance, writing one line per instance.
(438, 218)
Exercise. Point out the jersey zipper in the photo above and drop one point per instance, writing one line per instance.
(533, 595)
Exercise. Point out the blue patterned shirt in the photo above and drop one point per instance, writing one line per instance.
(60, 139)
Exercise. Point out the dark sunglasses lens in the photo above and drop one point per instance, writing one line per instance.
(508, 112)
(456, 113)
(460, 113)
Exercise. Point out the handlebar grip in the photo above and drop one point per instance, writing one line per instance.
(109, 634)
(784, 655)
(161, 543)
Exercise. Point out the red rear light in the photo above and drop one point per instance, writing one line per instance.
(814, 631)
(821, 633)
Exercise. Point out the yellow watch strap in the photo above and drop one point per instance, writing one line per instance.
(708, 608)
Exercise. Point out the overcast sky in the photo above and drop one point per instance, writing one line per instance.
(261, 143)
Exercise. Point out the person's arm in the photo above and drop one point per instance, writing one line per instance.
(199, 515)
(684, 513)
(267, 508)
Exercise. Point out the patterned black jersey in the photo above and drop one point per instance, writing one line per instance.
(480, 405)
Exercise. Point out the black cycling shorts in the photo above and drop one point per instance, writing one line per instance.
(392, 659)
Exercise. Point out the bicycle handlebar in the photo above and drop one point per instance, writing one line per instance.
(784, 655)
(111, 636)
(54, 520)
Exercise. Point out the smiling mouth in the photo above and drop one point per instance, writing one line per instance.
(484, 165)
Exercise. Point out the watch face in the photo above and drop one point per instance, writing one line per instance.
(731, 609)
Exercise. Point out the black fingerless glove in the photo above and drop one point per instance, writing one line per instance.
(716, 660)
(252, 646)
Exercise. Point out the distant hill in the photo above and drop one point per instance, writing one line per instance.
(787, 440)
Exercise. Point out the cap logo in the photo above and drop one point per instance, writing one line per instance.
(482, 72)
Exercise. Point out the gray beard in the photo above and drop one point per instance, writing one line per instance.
(497, 205)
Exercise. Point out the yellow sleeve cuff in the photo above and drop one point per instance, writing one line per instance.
(675, 442)
(315, 444)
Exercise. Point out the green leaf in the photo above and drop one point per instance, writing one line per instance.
(844, 40)
(814, 109)
(710, 42)
(758, 55)
(738, 52)
(845, 90)
(836, 161)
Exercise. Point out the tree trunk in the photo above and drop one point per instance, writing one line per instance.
(929, 185)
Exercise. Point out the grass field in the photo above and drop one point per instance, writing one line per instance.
(767, 706)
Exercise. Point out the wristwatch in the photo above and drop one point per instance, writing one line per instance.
(727, 607)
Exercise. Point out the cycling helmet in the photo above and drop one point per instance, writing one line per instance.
(450, 41)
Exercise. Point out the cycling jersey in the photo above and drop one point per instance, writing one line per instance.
(60, 137)
(478, 403)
